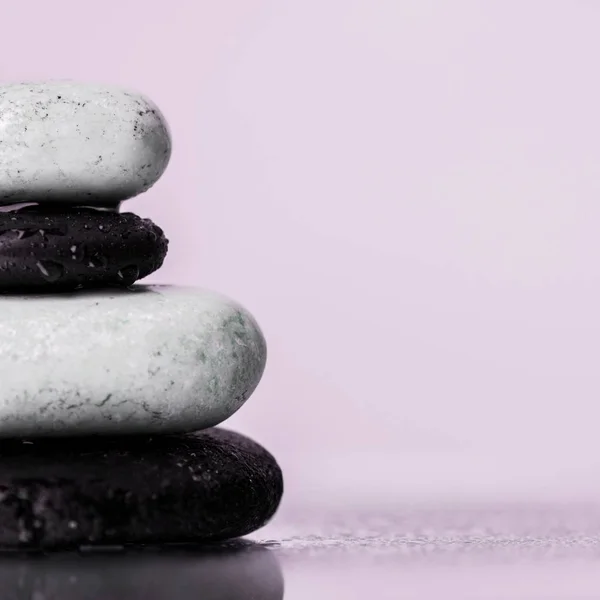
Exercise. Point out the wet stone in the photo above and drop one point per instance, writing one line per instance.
(59, 248)
(66, 493)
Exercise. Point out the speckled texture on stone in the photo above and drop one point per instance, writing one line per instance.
(57, 248)
(63, 493)
(144, 359)
(74, 142)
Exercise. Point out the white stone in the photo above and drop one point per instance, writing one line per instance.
(73, 142)
(154, 359)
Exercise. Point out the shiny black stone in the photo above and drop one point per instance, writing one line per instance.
(56, 247)
(68, 493)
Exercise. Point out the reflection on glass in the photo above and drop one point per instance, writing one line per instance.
(230, 572)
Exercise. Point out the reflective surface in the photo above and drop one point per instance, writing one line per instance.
(474, 552)
(478, 552)
(218, 573)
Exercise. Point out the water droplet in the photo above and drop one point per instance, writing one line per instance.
(129, 274)
(25, 233)
(105, 227)
(97, 261)
(25, 536)
(52, 271)
(77, 252)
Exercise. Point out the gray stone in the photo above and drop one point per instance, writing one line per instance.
(82, 143)
(148, 359)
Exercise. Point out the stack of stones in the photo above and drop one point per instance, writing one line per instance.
(110, 391)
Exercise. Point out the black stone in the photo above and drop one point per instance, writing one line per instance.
(55, 248)
(67, 493)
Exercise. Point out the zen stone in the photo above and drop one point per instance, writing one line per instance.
(81, 143)
(48, 248)
(145, 359)
(65, 493)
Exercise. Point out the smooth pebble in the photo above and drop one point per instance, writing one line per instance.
(70, 142)
(147, 359)
(211, 485)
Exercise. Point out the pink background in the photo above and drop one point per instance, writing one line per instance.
(406, 195)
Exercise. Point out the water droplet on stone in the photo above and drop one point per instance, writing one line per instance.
(97, 261)
(25, 536)
(77, 252)
(51, 271)
(129, 274)
(25, 233)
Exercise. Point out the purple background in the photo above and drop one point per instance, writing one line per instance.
(405, 194)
